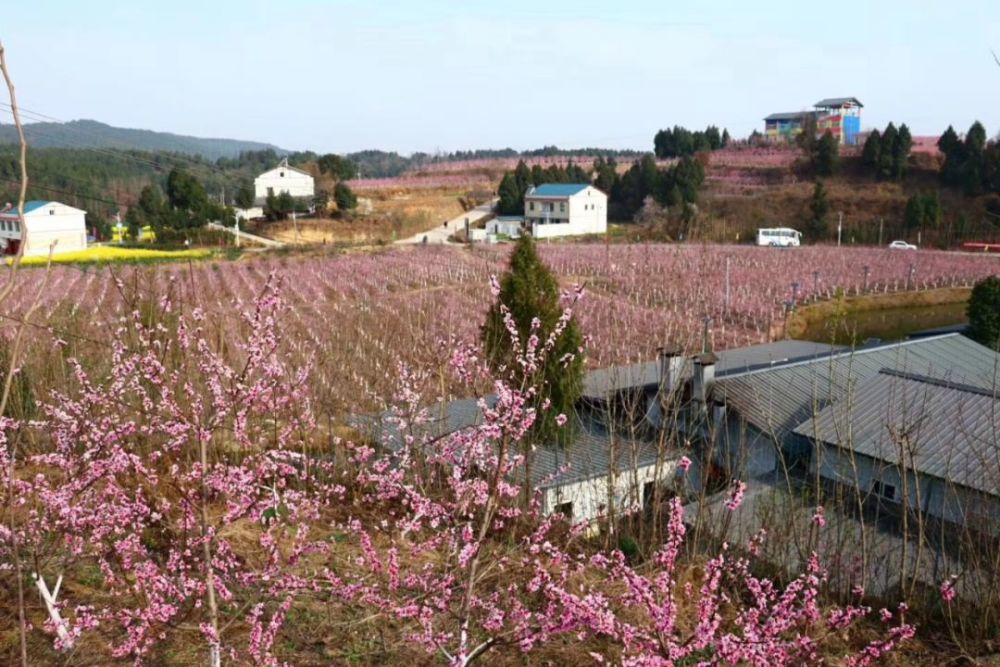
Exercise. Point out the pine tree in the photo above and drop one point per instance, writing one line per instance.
(984, 313)
(901, 152)
(529, 290)
(827, 153)
(819, 207)
(890, 137)
(870, 152)
(913, 215)
(344, 196)
(510, 196)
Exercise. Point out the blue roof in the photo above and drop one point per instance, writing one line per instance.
(29, 206)
(559, 189)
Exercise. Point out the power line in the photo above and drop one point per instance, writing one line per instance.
(63, 192)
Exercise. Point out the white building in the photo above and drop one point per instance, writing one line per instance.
(565, 209)
(46, 223)
(283, 178)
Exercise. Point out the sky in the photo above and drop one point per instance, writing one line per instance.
(436, 75)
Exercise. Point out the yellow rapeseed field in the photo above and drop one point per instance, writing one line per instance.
(102, 254)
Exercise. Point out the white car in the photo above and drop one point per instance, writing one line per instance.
(901, 245)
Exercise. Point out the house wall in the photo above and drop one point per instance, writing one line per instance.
(53, 223)
(744, 450)
(586, 212)
(933, 496)
(590, 497)
(511, 228)
(284, 179)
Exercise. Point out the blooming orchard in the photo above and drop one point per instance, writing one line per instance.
(189, 501)
(354, 318)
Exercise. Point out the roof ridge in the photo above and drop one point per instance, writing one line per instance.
(940, 382)
(837, 354)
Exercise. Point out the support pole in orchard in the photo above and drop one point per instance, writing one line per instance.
(867, 271)
(727, 284)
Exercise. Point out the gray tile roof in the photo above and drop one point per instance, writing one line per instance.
(779, 399)
(789, 115)
(946, 429)
(587, 457)
(837, 102)
(598, 383)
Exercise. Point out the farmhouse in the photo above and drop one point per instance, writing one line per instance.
(600, 465)
(565, 209)
(45, 223)
(283, 178)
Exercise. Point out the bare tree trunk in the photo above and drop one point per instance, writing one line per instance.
(214, 649)
(18, 573)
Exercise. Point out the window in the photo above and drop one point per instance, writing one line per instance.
(562, 207)
(887, 491)
(566, 509)
(281, 173)
(52, 211)
(531, 206)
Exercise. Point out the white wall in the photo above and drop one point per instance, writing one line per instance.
(248, 213)
(52, 223)
(931, 495)
(284, 179)
(511, 228)
(586, 212)
(590, 497)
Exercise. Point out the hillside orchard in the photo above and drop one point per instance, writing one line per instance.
(185, 504)
(355, 317)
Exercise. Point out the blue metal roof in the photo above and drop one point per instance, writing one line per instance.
(558, 189)
(29, 206)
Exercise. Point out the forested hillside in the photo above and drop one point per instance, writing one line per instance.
(94, 134)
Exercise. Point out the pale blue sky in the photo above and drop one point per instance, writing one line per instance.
(345, 75)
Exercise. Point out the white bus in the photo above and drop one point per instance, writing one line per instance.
(779, 236)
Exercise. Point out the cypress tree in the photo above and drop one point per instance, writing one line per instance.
(984, 313)
(819, 207)
(529, 290)
(872, 149)
(510, 195)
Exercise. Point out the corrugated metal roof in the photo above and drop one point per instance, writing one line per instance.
(588, 456)
(939, 428)
(837, 102)
(600, 382)
(779, 399)
(789, 115)
(558, 189)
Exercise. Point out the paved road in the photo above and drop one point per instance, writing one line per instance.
(252, 238)
(439, 235)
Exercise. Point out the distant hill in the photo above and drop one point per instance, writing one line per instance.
(92, 134)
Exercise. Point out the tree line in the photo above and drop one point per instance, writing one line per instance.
(971, 164)
(885, 154)
(515, 184)
(675, 186)
(680, 141)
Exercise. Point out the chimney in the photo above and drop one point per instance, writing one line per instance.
(704, 377)
(671, 365)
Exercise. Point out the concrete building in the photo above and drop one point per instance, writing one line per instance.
(283, 178)
(565, 209)
(841, 116)
(45, 223)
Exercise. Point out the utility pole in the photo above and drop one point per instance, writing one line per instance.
(840, 226)
(118, 224)
(727, 285)
(880, 221)
(295, 224)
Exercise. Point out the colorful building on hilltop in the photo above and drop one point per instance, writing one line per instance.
(840, 116)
